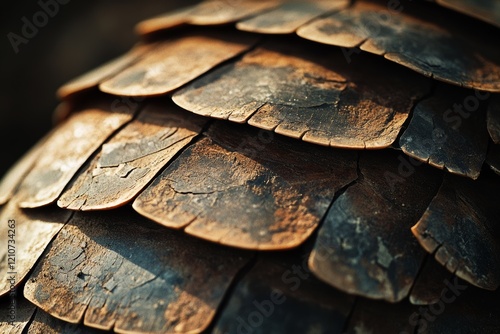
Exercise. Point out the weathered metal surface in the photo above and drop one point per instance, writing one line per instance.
(460, 228)
(370, 316)
(131, 159)
(98, 75)
(16, 173)
(247, 189)
(206, 13)
(15, 314)
(485, 10)
(493, 158)
(24, 235)
(289, 16)
(365, 245)
(281, 296)
(446, 132)
(408, 35)
(66, 150)
(116, 270)
(430, 283)
(43, 323)
(171, 64)
(493, 119)
(310, 94)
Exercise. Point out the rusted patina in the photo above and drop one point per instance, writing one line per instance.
(116, 270)
(411, 37)
(289, 16)
(248, 189)
(26, 233)
(446, 132)
(67, 149)
(283, 291)
(216, 12)
(365, 245)
(171, 64)
(461, 229)
(309, 93)
(131, 159)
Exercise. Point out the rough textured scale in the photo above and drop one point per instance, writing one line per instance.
(215, 12)
(249, 189)
(16, 173)
(447, 131)
(309, 93)
(451, 51)
(115, 270)
(43, 323)
(173, 63)
(326, 230)
(365, 246)
(275, 293)
(66, 150)
(460, 227)
(26, 233)
(98, 75)
(289, 16)
(131, 159)
(430, 283)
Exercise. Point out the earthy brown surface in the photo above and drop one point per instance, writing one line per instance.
(415, 41)
(248, 189)
(24, 234)
(289, 16)
(66, 150)
(132, 158)
(173, 63)
(117, 270)
(309, 95)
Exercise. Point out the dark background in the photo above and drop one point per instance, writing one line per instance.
(81, 36)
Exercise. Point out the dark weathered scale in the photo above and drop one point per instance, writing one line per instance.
(269, 167)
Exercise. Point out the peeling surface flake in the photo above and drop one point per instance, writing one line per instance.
(65, 151)
(445, 134)
(454, 52)
(300, 94)
(289, 16)
(246, 189)
(171, 64)
(131, 159)
(461, 228)
(365, 246)
(215, 12)
(118, 271)
(31, 233)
